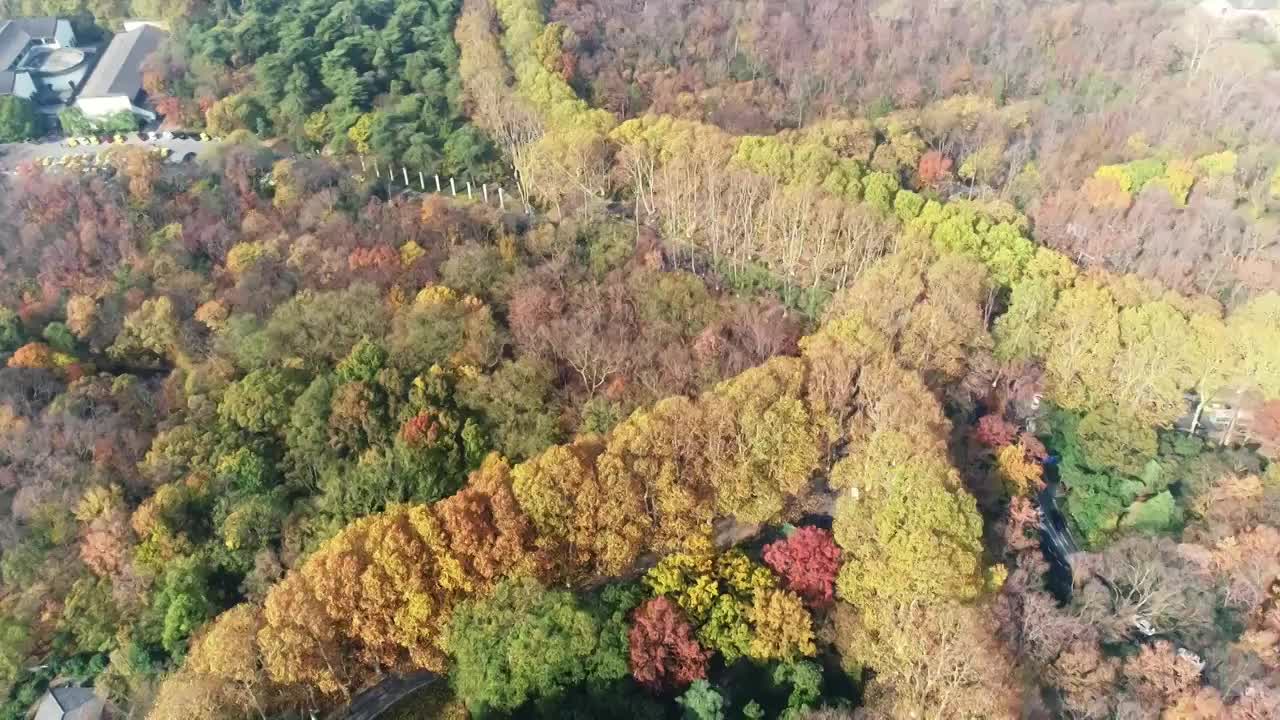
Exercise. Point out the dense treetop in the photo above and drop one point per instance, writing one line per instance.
(810, 339)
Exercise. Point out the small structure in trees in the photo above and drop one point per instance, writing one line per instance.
(70, 702)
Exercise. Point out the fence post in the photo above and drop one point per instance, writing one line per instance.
(362, 167)
(485, 188)
(422, 181)
(377, 170)
(502, 202)
(453, 188)
(405, 171)
(468, 189)
(437, 183)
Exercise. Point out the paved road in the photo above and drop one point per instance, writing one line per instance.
(14, 154)
(378, 699)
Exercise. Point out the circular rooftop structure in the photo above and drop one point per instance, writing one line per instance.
(52, 61)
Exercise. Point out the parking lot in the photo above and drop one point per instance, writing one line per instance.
(12, 155)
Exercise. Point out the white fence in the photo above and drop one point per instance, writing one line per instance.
(419, 181)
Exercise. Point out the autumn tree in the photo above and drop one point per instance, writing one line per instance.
(1156, 366)
(185, 693)
(930, 661)
(300, 643)
(141, 168)
(1266, 428)
(378, 594)
(897, 501)
(567, 167)
(228, 651)
(1083, 341)
(490, 535)
(783, 629)
(105, 542)
(664, 654)
(1142, 582)
(933, 168)
(762, 443)
(150, 332)
(603, 528)
(1019, 471)
(808, 561)
(660, 450)
(1253, 332)
(994, 431)
(735, 603)
(924, 308)
(90, 616)
(34, 356)
(1160, 676)
(1022, 331)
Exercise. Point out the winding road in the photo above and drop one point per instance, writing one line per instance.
(381, 697)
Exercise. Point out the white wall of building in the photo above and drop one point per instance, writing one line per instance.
(22, 85)
(100, 106)
(63, 34)
(131, 25)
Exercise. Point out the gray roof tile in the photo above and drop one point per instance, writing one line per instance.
(119, 70)
(39, 27)
(13, 40)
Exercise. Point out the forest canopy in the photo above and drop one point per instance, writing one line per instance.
(862, 360)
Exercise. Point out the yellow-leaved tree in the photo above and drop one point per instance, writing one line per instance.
(908, 529)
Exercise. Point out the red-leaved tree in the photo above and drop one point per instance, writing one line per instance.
(994, 431)
(664, 654)
(808, 560)
(1266, 429)
(934, 168)
(1034, 449)
(420, 430)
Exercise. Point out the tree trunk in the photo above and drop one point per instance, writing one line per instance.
(1226, 437)
(1195, 419)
